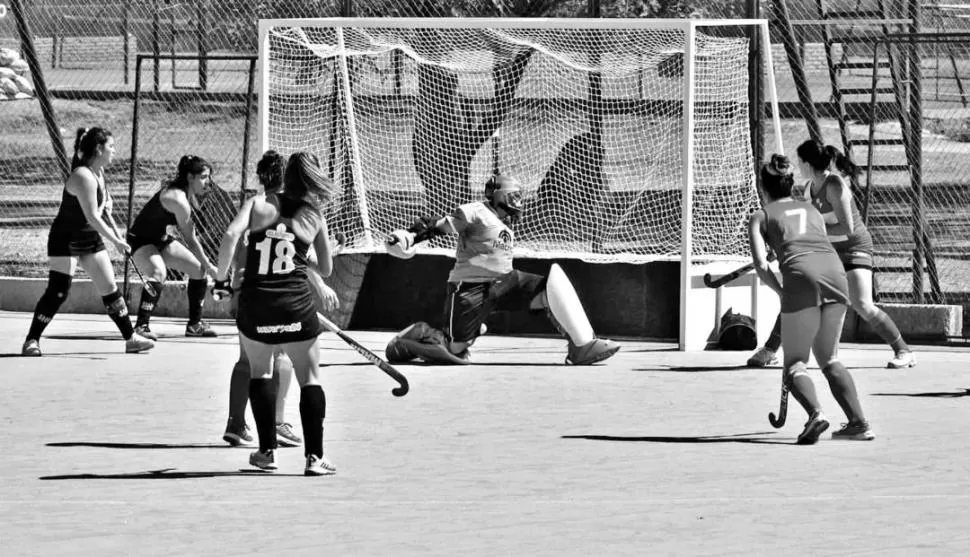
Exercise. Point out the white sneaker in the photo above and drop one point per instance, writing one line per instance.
(263, 461)
(138, 343)
(903, 359)
(764, 357)
(319, 466)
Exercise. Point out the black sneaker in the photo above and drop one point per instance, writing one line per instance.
(855, 431)
(200, 329)
(814, 428)
(144, 331)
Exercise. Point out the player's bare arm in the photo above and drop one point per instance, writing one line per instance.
(230, 239)
(759, 251)
(177, 202)
(841, 198)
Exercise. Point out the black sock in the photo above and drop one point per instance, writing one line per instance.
(118, 312)
(239, 392)
(58, 287)
(262, 400)
(843, 390)
(148, 302)
(774, 340)
(803, 389)
(196, 291)
(313, 408)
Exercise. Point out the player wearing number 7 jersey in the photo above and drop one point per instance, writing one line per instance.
(813, 292)
(276, 302)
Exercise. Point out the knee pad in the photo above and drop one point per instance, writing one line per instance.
(564, 308)
(58, 286)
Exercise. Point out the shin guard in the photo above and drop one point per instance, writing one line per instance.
(118, 312)
(313, 409)
(58, 287)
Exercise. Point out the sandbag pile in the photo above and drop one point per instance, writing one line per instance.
(14, 83)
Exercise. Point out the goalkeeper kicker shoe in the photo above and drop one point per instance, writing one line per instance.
(593, 351)
(138, 343)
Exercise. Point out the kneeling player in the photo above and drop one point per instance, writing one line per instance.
(483, 280)
(813, 292)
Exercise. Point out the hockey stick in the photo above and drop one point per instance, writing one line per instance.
(144, 283)
(396, 375)
(711, 283)
(783, 406)
(733, 275)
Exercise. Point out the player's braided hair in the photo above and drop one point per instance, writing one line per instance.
(86, 141)
(269, 169)
(303, 179)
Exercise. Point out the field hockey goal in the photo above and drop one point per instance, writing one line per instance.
(632, 138)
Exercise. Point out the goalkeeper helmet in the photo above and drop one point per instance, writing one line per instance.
(504, 192)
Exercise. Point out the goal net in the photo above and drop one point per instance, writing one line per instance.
(627, 135)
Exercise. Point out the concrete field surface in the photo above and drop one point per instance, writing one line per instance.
(653, 452)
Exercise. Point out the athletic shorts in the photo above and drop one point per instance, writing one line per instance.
(65, 243)
(469, 304)
(277, 317)
(856, 253)
(137, 242)
(811, 280)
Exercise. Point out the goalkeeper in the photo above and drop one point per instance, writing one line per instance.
(483, 280)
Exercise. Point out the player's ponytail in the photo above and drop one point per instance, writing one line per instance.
(86, 142)
(304, 180)
(815, 154)
(188, 164)
(841, 162)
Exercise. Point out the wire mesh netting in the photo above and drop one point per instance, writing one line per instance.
(87, 54)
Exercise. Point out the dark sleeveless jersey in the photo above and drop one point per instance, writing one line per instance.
(794, 228)
(70, 217)
(838, 233)
(153, 220)
(276, 259)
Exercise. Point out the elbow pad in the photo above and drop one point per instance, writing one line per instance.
(424, 229)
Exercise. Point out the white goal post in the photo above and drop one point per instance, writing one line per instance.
(631, 136)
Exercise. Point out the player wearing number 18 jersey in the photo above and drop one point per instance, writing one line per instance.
(813, 293)
(276, 303)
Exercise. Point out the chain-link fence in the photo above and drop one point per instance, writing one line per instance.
(87, 51)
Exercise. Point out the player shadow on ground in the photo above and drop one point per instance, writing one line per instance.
(84, 355)
(943, 394)
(106, 445)
(169, 474)
(757, 437)
(694, 369)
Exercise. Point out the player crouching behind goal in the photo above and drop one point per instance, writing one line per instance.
(814, 292)
(483, 279)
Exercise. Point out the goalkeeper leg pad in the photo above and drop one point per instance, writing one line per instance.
(564, 308)
(423, 341)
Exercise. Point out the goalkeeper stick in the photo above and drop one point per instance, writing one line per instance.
(396, 375)
(783, 405)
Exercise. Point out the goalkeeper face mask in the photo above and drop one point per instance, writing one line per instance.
(505, 193)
